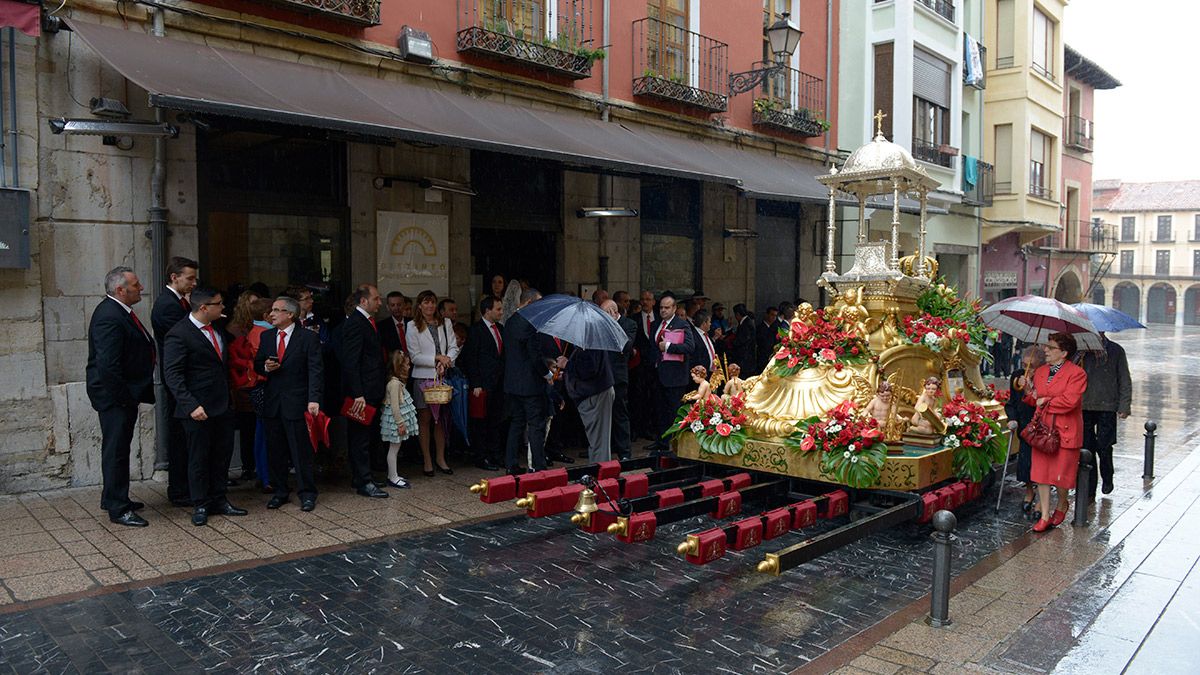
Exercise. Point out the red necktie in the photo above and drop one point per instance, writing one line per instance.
(661, 330)
(187, 306)
(403, 337)
(647, 329)
(142, 330)
(499, 342)
(558, 343)
(282, 345)
(372, 320)
(212, 335)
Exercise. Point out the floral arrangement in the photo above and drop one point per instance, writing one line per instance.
(818, 342)
(975, 436)
(851, 445)
(1001, 396)
(934, 332)
(716, 423)
(942, 301)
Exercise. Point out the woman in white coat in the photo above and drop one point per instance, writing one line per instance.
(433, 349)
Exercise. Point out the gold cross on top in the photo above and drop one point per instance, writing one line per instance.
(879, 115)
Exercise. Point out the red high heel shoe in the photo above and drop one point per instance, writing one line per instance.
(1042, 525)
(1058, 517)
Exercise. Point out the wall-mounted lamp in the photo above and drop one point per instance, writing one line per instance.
(605, 212)
(84, 127)
(415, 45)
(381, 182)
(783, 38)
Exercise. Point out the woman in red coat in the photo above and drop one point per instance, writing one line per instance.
(1057, 391)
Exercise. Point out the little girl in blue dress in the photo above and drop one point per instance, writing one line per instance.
(399, 419)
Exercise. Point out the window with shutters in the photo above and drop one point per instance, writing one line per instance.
(1164, 229)
(1043, 44)
(1126, 262)
(1128, 228)
(1040, 148)
(1162, 263)
(1196, 263)
(883, 85)
(1004, 181)
(931, 109)
(1005, 19)
(1196, 228)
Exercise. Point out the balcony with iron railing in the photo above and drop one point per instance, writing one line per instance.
(984, 188)
(1093, 237)
(359, 12)
(942, 155)
(676, 65)
(1079, 132)
(943, 8)
(791, 101)
(979, 81)
(517, 31)
(1163, 237)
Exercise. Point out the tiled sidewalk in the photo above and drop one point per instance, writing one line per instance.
(61, 542)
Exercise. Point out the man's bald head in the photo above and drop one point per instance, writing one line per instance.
(610, 308)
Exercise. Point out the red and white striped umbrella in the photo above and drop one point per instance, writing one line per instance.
(1032, 318)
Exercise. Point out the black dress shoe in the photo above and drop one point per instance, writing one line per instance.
(200, 516)
(136, 506)
(129, 519)
(428, 473)
(516, 471)
(1107, 488)
(447, 470)
(308, 504)
(228, 509)
(369, 490)
(559, 457)
(487, 465)
(276, 502)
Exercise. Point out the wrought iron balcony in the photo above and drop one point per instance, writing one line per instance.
(942, 155)
(516, 31)
(1079, 133)
(981, 193)
(945, 8)
(360, 12)
(791, 101)
(1085, 237)
(1041, 191)
(677, 65)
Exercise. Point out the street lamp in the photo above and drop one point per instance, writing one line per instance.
(783, 38)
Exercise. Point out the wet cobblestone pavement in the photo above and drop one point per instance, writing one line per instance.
(538, 595)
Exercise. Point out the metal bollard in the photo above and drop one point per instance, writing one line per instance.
(1083, 487)
(944, 523)
(1148, 462)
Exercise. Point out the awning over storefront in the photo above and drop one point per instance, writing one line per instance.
(202, 79)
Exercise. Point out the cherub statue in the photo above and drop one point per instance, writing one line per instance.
(703, 388)
(851, 313)
(734, 384)
(882, 406)
(930, 399)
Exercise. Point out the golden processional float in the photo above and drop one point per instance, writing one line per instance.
(872, 412)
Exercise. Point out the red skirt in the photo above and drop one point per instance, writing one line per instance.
(1058, 469)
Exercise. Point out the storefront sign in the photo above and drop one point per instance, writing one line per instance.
(999, 279)
(413, 252)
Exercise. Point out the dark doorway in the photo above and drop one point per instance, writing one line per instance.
(273, 209)
(517, 254)
(1160, 304)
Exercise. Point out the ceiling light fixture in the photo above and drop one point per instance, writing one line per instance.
(606, 212)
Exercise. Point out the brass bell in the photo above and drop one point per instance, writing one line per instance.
(586, 502)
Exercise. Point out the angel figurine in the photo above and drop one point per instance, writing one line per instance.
(703, 388)
(929, 400)
(881, 405)
(852, 315)
(734, 384)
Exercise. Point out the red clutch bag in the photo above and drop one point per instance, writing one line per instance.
(477, 406)
(364, 418)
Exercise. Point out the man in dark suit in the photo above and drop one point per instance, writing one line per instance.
(290, 358)
(364, 381)
(525, 380)
(742, 348)
(391, 332)
(170, 307)
(120, 375)
(766, 334)
(705, 353)
(195, 370)
(589, 383)
(643, 381)
(673, 376)
(482, 360)
(622, 439)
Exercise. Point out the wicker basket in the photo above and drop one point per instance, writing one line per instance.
(438, 394)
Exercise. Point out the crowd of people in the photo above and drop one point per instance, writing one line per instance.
(416, 381)
(266, 373)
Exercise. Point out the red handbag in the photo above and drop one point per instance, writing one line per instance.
(1041, 436)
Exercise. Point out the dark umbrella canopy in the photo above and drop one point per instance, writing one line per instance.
(576, 321)
(1108, 319)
